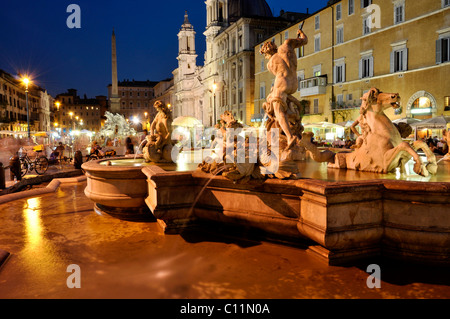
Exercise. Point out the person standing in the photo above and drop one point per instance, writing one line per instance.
(129, 146)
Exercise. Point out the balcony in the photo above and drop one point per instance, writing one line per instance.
(313, 86)
(336, 106)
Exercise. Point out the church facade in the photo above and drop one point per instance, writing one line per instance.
(188, 89)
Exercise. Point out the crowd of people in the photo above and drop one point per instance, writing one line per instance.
(436, 145)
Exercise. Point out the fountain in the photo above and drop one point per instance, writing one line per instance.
(118, 187)
(382, 198)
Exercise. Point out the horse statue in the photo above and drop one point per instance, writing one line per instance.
(380, 147)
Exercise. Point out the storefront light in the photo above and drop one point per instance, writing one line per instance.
(421, 111)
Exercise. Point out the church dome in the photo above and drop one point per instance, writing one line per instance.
(248, 8)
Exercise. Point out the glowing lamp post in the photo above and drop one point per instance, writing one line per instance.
(58, 104)
(26, 81)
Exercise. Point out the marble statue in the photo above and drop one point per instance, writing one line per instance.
(283, 114)
(281, 107)
(225, 158)
(159, 141)
(380, 147)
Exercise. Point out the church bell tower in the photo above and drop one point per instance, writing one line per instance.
(187, 57)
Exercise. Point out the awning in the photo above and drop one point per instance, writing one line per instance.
(40, 134)
(346, 124)
(407, 120)
(322, 125)
(439, 122)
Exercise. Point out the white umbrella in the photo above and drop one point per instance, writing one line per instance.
(407, 120)
(346, 124)
(439, 122)
(186, 121)
(322, 125)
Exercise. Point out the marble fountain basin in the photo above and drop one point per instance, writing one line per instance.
(341, 215)
(118, 186)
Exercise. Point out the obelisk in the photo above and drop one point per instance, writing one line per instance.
(114, 98)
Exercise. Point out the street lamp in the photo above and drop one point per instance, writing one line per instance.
(26, 81)
(58, 104)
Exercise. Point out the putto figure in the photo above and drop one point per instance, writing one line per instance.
(159, 141)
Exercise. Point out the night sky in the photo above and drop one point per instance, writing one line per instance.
(36, 40)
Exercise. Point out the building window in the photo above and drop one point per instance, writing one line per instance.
(316, 106)
(259, 37)
(317, 43)
(366, 67)
(365, 3)
(399, 60)
(262, 65)
(339, 73)
(340, 35)
(447, 103)
(399, 13)
(286, 35)
(351, 7)
(443, 50)
(300, 52)
(350, 97)
(317, 23)
(445, 3)
(338, 12)
(366, 25)
(317, 70)
(340, 100)
(262, 91)
(300, 78)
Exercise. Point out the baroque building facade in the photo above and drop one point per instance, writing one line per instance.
(13, 108)
(226, 80)
(73, 113)
(188, 89)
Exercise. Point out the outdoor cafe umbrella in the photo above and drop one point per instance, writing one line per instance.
(323, 125)
(407, 120)
(439, 122)
(346, 124)
(41, 134)
(186, 121)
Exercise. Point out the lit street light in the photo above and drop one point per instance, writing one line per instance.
(58, 104)
(26, 81)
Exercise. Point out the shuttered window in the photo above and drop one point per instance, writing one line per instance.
(365, 3)
(366, 67)
(399, 60)
(442, 50)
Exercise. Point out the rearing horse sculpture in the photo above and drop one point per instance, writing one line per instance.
(380, 148)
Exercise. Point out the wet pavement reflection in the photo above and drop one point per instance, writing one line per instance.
(122, 259)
